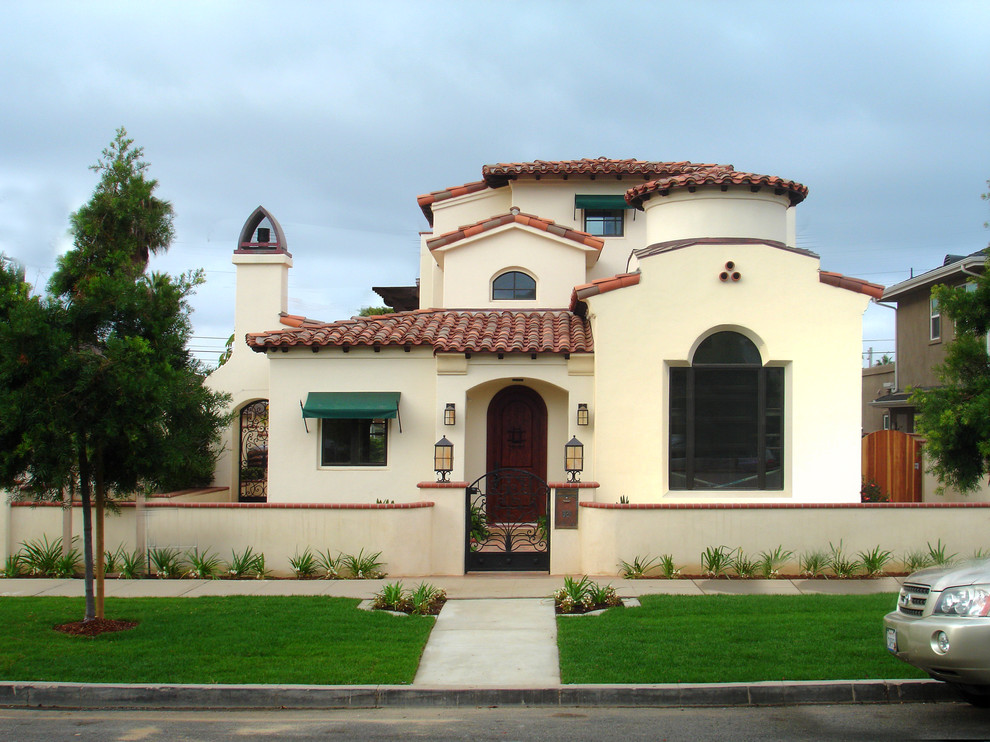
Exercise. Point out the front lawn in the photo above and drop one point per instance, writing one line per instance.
(240, 639)
(731, 638)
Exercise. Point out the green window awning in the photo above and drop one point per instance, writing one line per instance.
(601, 202)
(351, 405)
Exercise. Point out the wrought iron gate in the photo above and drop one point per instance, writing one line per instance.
(507, 524)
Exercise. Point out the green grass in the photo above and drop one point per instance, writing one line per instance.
(309, 640)
(732, 638)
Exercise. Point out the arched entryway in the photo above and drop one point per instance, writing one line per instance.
(253, 459)
(517, 433)
(507, 508)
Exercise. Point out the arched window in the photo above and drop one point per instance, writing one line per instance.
(514, 285)
(726, 419)
(253, 469)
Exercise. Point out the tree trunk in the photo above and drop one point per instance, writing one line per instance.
(87, 529)
(101, 495)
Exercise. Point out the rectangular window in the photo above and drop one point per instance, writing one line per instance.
(354, 442)
(726, 428)
(604, 222)
(935, 316)
(886, 421)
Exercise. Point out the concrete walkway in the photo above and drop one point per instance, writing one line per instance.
(492, 643)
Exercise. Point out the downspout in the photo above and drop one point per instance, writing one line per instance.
(897, 366)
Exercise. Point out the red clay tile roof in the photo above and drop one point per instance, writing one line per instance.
(516, 217)
(720, 175)
(500, 174)
(445, 330)
(602, 286)
(852, 284)
(427, 200)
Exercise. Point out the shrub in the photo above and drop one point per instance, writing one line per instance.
(131, 564)
(716, 561)
(166, 561)
(41, 558)
(744, 566)
(841, 565)
(363, 567)
(938, 556)
(639, 567)
(915, 560)
(813, 563)
(303, 565)
(203, 566)
(874, 561)
(330, 565)
(244, 565)
(12, 566)
(870, 491)
(668, 569)
(581, 596)
(770, 562)
(425, 599)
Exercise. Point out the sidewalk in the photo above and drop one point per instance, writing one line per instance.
(485, 614)
(474, 586)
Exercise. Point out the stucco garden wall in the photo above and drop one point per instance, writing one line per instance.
(427, 537)
(613, 532)
(403, 533)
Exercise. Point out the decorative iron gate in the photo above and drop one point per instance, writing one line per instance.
(253, 468)
(507, 522)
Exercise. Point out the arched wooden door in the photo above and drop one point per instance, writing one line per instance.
(517, 437)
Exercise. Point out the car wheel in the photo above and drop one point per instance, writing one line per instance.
(977, 695)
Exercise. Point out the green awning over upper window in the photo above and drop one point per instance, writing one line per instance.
(601, 202)
(351, 405)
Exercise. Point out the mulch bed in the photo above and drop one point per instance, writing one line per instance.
(94, 627)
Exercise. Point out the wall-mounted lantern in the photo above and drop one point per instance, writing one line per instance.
(443, 458)
(582, 414)
(449, 414)
(573, 459)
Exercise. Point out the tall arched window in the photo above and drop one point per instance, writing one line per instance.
(253, 469)
(726, 419)
(514, 285)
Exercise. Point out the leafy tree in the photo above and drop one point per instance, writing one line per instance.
(104, 395)
(954, 418)
(375, 311)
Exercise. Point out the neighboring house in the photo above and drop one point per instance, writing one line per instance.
(656, 313)
(922, 334)
(878, 380)
(922, 337)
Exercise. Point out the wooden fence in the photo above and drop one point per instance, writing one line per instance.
(892, 459)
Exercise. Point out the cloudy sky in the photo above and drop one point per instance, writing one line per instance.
(335, 116)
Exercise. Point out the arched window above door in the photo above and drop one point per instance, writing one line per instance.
(513, 285)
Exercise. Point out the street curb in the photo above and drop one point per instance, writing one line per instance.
(166, 696)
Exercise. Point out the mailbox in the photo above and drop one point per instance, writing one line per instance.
(565, 508)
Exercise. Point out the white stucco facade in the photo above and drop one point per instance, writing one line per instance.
(686, 252)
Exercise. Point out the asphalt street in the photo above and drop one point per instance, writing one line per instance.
(911, 721)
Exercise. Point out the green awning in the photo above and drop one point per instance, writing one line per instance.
(351, 405)
(601, 202)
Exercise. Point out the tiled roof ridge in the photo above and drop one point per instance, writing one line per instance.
(427, 200)
(858, 285)
(517, 217)
(720, 175)
(445, 330)
(498, 174)
(602, 286)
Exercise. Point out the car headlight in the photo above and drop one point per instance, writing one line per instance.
(973, 600)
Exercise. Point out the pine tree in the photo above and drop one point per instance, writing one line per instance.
(110, 398)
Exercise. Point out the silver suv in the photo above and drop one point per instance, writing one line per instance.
(942, 625)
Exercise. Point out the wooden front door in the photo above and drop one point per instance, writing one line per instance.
(517, 436)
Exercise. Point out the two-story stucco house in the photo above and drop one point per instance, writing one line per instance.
(657, 316)
(923, 335)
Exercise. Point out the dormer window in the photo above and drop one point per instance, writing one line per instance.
(513, 285)
(604, 216)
